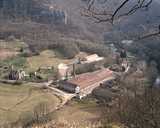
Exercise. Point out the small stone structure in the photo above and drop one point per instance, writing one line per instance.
(63, 71)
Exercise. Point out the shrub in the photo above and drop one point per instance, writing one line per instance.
(41, 113)
(108, 61)
(26, 119)
(69, 50)
(18, 82)
(91, 47)
(15, 61)
(79, 69)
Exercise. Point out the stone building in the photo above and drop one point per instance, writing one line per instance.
(85, 83)
(63, 71)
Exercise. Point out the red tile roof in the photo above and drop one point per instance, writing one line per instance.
(88, 79)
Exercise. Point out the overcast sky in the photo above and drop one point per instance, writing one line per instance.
(158, 1)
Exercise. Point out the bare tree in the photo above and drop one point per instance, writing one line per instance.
(111, 13)
(104, 15)
(136, 111)
(41, 112)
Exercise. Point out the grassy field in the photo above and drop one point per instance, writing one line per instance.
(31, 64)
(14, 45)
(82, 114)
(46, 58)
(10, 48)
(79, 114)
(16, 100)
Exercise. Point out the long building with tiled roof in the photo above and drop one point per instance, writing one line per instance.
(85, 83)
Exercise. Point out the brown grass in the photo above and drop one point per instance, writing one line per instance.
(15, 100)
(46, 58)
(6, 53)
(79, 115)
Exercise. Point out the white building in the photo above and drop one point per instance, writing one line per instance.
(63, 71)
(92, 58)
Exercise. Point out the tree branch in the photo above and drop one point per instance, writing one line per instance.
(105, 16)
(150, 35)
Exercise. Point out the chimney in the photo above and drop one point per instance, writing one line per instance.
(66, 18)
(74, 72)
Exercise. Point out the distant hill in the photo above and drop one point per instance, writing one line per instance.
(139, 23)
(55, 11)
(39, 11)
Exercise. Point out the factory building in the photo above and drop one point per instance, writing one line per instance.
(85, 83)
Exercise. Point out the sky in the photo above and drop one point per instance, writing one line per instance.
(158, 1)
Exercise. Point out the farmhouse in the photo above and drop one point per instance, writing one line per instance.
(85, 83)
(92, 58)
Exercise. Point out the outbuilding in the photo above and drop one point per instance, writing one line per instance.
(70, 87)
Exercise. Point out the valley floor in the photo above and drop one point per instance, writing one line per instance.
(18, 100)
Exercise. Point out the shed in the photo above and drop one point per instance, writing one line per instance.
(93, 58)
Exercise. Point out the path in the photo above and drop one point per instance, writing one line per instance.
(64, 97)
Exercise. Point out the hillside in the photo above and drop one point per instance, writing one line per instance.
(40, 12)
(44, 21)
(42, 39)
(140, 21)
